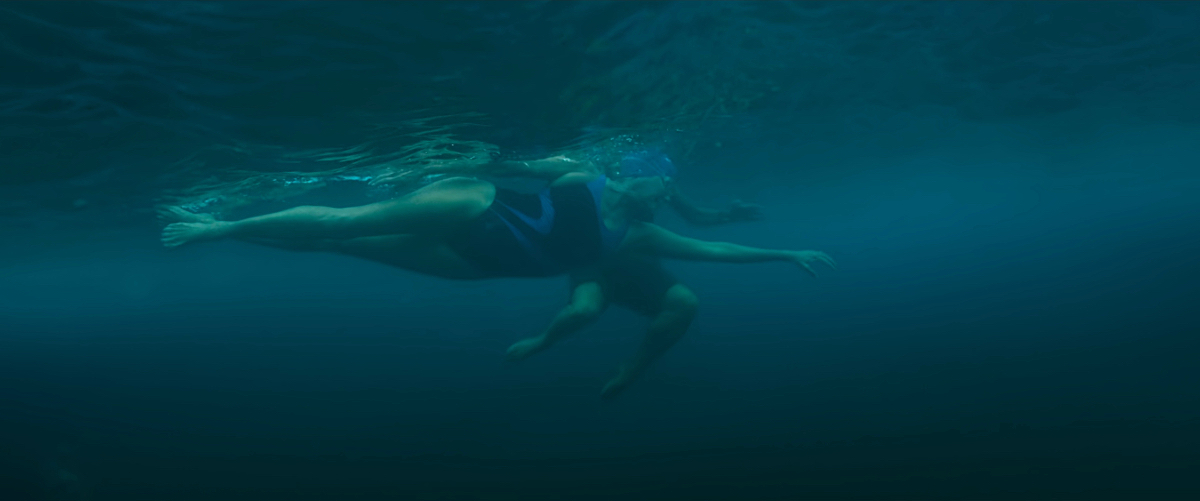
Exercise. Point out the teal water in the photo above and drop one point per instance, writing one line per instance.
(1010, 190)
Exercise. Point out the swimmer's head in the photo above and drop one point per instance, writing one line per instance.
(649, 163)
(641, 196)
(644, 180)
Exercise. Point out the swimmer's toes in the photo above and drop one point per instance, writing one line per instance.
(176, 234)
(175, 214)
(171, 236)
(167, 214)
(616, 385)
(523, 349)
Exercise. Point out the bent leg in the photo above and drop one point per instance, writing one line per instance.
(678, 309)
(587, 303)
(435, 209)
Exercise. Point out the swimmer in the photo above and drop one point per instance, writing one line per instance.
(463, 228)
(638, 283)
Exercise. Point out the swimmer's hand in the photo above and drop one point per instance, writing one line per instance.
(806, 258)
(743, 211)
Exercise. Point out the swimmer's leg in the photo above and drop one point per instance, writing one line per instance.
(411, 252)
(587, 303)
(417, 253)
(678, 310)
(434, 209)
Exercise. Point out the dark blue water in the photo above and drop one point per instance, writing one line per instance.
(1011, 191)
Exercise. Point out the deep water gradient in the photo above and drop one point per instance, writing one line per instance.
(1010, 190)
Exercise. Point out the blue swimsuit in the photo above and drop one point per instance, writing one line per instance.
(538, 235)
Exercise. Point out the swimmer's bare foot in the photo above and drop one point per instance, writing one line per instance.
(522, 349)
(176, 214)
(176, 234)
(625, 376)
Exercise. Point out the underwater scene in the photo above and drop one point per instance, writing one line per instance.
(599, 250)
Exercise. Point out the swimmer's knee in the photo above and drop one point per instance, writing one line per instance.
(586, 310)
(471, 196)
(680, 299)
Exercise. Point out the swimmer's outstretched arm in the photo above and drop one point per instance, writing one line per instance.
(654, 240)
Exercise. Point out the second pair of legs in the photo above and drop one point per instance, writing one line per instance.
(638, 283)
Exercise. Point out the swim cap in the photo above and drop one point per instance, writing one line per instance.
(646, 164)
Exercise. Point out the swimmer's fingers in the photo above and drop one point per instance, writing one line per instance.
(827, 260)
(802, 258)
(806, 258)
(744, 211)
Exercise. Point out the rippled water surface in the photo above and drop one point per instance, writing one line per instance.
(1010, 189)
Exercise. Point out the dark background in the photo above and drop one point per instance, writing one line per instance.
(1010, 190)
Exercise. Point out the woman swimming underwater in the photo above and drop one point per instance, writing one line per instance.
(464, 228)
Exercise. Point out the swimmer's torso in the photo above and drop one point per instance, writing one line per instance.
(542, 234)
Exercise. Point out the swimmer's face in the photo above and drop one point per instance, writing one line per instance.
(643, 195)
(649, 188)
